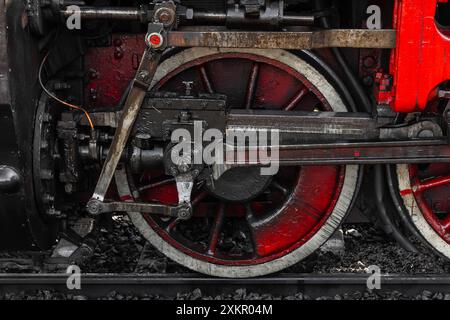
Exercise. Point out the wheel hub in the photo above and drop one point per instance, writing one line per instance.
(239, 184)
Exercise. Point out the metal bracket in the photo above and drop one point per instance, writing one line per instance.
(184, 188)
(423, 129)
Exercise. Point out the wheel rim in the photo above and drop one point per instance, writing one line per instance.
(425, 192)
(299, 209)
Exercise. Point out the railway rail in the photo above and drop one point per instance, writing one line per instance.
(166, 112)
(169, 285)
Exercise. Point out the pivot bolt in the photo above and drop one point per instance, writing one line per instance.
(143, 75)
(93, 207)
(184, 213)
(165, 15)
(154, 40)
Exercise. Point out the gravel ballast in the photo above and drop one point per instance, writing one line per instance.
(120, 249)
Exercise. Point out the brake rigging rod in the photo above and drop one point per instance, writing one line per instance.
(155, 40)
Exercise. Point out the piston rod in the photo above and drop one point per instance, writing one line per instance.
(187, 17)
(108, 13)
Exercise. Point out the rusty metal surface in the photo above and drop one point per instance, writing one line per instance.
(343, 38)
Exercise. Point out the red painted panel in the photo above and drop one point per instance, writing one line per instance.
(419, 62)
(111, 69)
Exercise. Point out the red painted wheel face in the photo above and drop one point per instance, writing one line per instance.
(431, 188)
(291, 208)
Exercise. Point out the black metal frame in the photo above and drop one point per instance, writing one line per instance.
(21, 226)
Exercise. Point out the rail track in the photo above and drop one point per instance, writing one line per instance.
(169, 285)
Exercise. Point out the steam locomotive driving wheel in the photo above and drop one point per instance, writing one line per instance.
(246, 225)
(425, 191)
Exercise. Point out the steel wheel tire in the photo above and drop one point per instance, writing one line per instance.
(326, 230)
(433, 227)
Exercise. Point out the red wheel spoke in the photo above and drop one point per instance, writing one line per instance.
(199, 198)
(156, 184)
(206, 80)
(446, 224)
(216, 228)
(251, 87)
(249, 217)
(296, 99)
(431, 195)
(248, 211)
(431, 183)
(172, 224)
